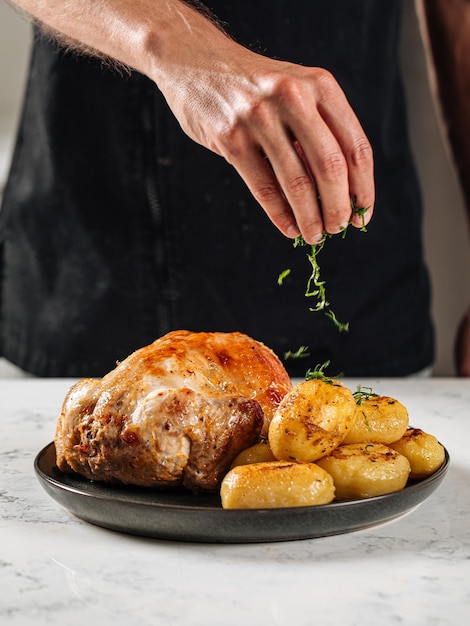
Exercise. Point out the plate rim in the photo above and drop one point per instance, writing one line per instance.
(123, 497)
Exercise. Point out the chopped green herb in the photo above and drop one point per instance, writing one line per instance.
(282, 276)
(366, 421)
(359, 211)
(342, 327)
(301, 353)
(363, 393)
(318, 373)
(315, 286)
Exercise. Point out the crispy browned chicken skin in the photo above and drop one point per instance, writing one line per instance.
(175, 412)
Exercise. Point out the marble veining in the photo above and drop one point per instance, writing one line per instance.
(57, 569)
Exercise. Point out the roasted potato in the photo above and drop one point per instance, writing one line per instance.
(423, 451)
(311, 420)
(276, 484)
(258, 453)
(380, 419)
(362, 470)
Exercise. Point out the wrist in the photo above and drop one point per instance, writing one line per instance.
(180, 39)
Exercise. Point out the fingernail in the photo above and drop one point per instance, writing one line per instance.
(316, 239)
(293, 232)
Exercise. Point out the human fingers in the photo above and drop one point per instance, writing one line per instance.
(298, 184)
(272, 166)
(284, 185)
(255, 169)
(332, 184)
(354, 146)
(283, 182)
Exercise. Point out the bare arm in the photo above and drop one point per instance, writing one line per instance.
(446, 26)
(250, 109)
(448, 29)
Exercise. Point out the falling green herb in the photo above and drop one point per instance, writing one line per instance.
(342, 327)
(301, 353)
(282, 276)
(315, 286)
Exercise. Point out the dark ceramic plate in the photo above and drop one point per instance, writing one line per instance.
(180, 515)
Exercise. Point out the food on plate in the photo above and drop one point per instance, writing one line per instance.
(318, 423)
(175, 412)
(311, 420)
(276, 484)
(363, 470)
(378, 418)
(217, 411)
(423, 451)
(258, 453)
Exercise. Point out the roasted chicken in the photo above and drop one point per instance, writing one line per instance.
(175, 412)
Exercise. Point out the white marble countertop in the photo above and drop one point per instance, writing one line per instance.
(56, 569)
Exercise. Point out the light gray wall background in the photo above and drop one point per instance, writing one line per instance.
(14, 50)
(445, 227)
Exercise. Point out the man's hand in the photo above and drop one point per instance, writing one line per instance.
(288, 130)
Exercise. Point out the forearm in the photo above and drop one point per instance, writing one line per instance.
(154, 37)
(447, 25)
(287, 129)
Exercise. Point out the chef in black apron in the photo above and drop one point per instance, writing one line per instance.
(116, 227)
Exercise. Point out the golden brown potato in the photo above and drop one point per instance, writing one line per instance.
(378, 418)
(311, 420)
(423, 451)
(362, 470)
(276, 484)
(258, 453)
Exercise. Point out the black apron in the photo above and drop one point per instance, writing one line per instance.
(116, 228)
